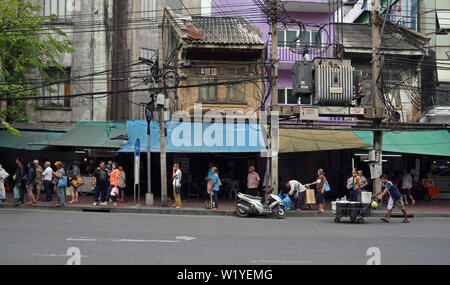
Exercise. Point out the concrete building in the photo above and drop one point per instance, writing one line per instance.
(108, 38)
(213, 50)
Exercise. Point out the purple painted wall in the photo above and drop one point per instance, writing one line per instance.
(317, 16)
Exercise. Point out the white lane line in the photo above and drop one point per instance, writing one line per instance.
(51, 255)
(284, 261)
(143, 240)
(81, 239)
(177, 239)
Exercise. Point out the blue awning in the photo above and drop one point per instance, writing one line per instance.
(197, 137)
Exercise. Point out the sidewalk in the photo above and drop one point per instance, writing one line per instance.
(440, 208)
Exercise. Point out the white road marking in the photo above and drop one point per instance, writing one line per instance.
(284, 261)
(176, 240)
(187, 238)
(51, 255)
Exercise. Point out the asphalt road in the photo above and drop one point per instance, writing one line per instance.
(44, 237)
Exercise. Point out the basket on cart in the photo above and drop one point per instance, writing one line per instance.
(357, 211)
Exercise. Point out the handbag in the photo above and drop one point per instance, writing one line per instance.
(114, 191)
(77, 181)
(3, 174)
(16, 192)
(62, 182)
(327, 187)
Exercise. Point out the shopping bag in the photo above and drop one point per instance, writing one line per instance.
(62, 182)
(310, 197)
(16, 192)
(77, 181)
(3, 174)
(327, 187)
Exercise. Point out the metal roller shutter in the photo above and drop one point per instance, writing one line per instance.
(301, 166)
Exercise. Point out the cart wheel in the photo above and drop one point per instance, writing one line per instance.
(361, 221)
(337, 219)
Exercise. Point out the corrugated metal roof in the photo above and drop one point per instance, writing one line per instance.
(226, 30)
(359, 36)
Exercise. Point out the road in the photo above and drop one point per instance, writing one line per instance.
(44, 236)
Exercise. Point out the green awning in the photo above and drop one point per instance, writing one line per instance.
(93, 134)
(415, 142)
(29, 140)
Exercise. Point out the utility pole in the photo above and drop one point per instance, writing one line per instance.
(149, 116)
(162, 136)
(162, 132)
(377, 110)
(273, 133)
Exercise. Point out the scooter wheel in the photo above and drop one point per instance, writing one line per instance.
(280, 212)
(337, 220)
(361, 221)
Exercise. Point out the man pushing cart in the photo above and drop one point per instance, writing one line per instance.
(395, 197)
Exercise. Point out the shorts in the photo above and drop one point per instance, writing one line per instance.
(406, 191)
(398, 203)
(320, 198)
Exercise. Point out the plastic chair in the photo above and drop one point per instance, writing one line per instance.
(234, 188)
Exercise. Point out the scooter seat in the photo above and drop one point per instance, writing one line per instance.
(253, 197)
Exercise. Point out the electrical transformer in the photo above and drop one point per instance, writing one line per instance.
(329, 81)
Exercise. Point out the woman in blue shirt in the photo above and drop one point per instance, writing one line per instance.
(215, 185)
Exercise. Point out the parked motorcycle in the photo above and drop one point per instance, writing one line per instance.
(248, 204)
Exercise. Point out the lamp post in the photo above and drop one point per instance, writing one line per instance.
(149, 115)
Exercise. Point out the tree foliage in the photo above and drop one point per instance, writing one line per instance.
(30, 44)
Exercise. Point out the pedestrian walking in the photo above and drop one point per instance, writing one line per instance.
(47, 180)
(252, 181)
(215, 186)
(296, 193)
(3, 176)
(122, 183)
(113, 189)
(395, 197)
(31, 181)
(407, 186)
(176, 177)
(73, 173)
(208, 183)
(61, 183)
(21, 180)
(100, 182)
(320, 183)
(38, 184)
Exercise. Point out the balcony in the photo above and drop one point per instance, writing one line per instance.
(311, 6)
(286, 57)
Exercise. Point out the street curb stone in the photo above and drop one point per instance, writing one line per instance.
(201, 212)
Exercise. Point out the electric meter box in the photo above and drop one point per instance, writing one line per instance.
(302, 78)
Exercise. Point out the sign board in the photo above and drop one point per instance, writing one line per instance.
(137, 160)
(336, 90)
(309, 114)
(356, 111)
(427, 183)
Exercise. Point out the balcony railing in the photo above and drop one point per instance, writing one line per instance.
(286, 55)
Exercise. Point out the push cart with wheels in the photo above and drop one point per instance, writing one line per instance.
(357, 211)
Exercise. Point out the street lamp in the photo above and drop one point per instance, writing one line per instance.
(149, 115)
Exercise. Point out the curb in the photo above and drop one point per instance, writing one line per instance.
(201, 212)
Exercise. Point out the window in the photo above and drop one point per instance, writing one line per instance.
(285, 37)
(285, 96)
(149, 54)
(60, 88)
(148, 9)
(235, 92)
(208, 93)
(55, 7)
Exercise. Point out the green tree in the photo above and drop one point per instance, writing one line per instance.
(30, 44)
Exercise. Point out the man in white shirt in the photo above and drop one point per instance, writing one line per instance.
(297, 192)
(177, 185)
(47, 180)
(406, 187)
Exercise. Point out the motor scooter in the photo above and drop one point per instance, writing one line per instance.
(248, 204)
